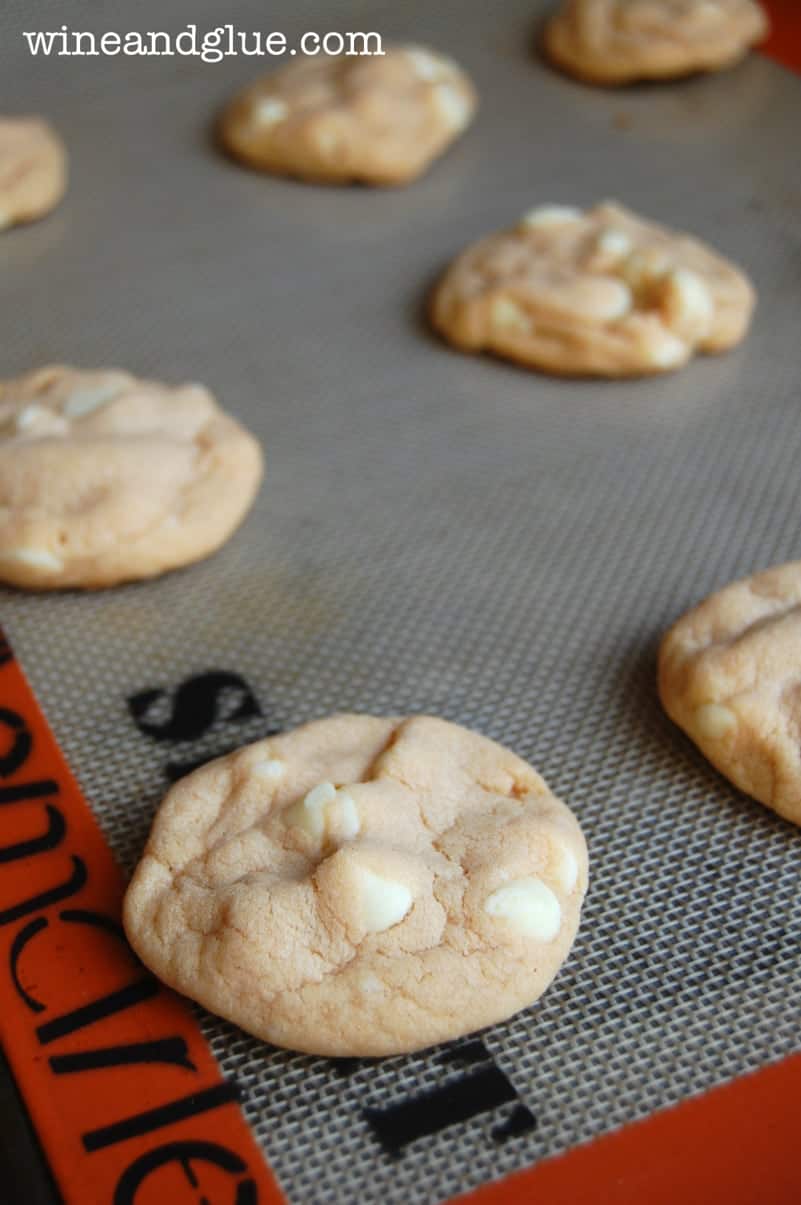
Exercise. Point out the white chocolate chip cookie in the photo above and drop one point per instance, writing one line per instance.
(33, 169)
(730, 676)
(105, 478)
(360, 886)
(599, 292)
(618, 41)
(372, 120)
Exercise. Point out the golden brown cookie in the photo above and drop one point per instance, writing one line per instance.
(360, 886)
(619, 41)
(105, 478)
(372, 120)
(599, 292)
(33, 169)
(730, 676)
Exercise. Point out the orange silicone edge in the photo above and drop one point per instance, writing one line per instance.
(783, 43)
(737, 1143)
(102, 1128)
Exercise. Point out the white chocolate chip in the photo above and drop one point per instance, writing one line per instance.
(84, 401)
(529, 906)
(551, 215)
(309, 813)
(714, 721)
(687, 302)
(426, 65)
(324, 812)
(272, 768)
(616, 302)
(320, 795)
(349, 823)
(613, 244)
(269, 110)
(666, 351)
(505, 314)
(566, 868)
(27, 417)
(591, 297)
(37, 558)
(384, 902)
(452, 106)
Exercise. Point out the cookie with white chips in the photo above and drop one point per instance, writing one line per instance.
(105, 478)
(360, 885)
(376, 120)
(729, 674)
(599, 292)
(33, 169)
(618, 41)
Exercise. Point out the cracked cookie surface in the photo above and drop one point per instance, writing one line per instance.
(360, 886)
(105, 478)
(599, 292)
(343, 119)
(33, 169)
(730, 677)
(619, 41)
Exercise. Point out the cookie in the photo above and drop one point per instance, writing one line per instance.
(599, 292)
(360, 886)
(105, 478)
(371, 120)
(729, 676)
(33, 170)
(618, 41)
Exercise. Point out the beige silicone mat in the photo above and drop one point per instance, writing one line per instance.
(438, 534)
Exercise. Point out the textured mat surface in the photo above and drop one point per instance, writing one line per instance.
(438, 534)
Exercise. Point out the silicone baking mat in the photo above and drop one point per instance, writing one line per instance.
(436, 533)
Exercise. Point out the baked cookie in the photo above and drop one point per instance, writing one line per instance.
(593, 293)
(360, 886)
(619, 41)
(105, 478)
(376, 120)
(730, 676)
(33, 169)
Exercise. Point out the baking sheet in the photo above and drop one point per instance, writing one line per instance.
(440, 534)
